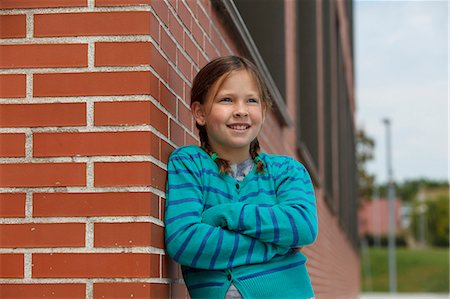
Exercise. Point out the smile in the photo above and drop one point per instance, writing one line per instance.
(239, 127)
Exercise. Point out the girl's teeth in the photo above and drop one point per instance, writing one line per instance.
(238, 127)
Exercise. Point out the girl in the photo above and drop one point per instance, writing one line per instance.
(234, 216)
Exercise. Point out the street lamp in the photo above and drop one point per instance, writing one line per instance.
(391, 205)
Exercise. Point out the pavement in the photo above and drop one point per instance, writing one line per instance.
(404, 296)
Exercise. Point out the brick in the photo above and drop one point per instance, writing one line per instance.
(168, 46)
(167, 99)
(176, 133)
(42, 115)
(121, 2)
(175, 82)
(159, 63)
(8, 4)
(198, 34)
(122, 174)
(176, 29)
(131, 290)
(93, 265)
(95, 204)
(184, 66)
(166, 150)
(118, 54)
(91, 144)
(12, 145)
(184, 15)
(43, 55)
(185, 115)
(40, 290)
(13, 86)
(158, 178)
(155, 147)
(154, 28)
(42, 235)
(13, 26)
(202, 18)
(162, 10)
(130, 113)
(11, 265)
(178, 290)
(12, 205)
(191, 140)
(92, 23)
(137, 234)
(159, 120)
(91, 84)
(191, 48)
(42, 174)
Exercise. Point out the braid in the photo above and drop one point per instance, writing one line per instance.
(254, 150)
(224, 165)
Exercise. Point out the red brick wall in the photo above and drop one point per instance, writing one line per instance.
(94, 97)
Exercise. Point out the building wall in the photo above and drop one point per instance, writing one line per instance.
(94, 97)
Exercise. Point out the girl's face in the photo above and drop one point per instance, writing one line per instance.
(233, 115)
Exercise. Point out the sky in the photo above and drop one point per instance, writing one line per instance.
(402, 73)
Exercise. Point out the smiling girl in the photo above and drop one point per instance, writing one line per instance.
(235, 217)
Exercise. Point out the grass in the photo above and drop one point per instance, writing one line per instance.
(418, 270)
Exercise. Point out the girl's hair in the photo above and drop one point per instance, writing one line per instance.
(211, 73)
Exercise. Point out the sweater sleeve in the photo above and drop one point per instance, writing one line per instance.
(193, 243)
(291, 222)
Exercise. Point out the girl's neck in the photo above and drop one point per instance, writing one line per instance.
(234, 155)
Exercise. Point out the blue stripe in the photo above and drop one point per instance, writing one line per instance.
(311, 229)
(241, 225)
(216, 254)
(276, 229)
(202, 246)
(250, 251)
(277, 269)
(186, 185)
(190, 157)
(294, 229)
(258, 223)
(169, 239)
(296, 189)
(218, 191)
(183, 246)
(256, 193)
(278, 165)
(178, 171)
(265, 252)
(233, 253)
(184, 200)
(206, 284)
(182, 215)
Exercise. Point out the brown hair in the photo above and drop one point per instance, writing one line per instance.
(206, 78)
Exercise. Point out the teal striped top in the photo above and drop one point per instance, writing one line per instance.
(223, 231)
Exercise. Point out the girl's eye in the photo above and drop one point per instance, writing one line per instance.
(226, 100)
(253, 100)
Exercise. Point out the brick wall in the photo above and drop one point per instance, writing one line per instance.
(94, 97)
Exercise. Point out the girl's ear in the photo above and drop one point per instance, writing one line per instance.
(199, 114)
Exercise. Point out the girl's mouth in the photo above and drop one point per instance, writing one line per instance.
(239, 127)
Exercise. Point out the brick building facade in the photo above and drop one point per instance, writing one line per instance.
(95, 96)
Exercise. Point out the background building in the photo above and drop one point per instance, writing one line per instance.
(95, 96)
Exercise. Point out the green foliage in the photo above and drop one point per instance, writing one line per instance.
(364, 153)
(408, 189)
(417, 270)
(437, 221)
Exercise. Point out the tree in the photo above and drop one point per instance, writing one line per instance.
(364, 153)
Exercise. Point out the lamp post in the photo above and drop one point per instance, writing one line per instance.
(391, 205)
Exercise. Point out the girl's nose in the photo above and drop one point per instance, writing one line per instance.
(240, 110)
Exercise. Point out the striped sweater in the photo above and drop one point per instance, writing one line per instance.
(223, 231)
